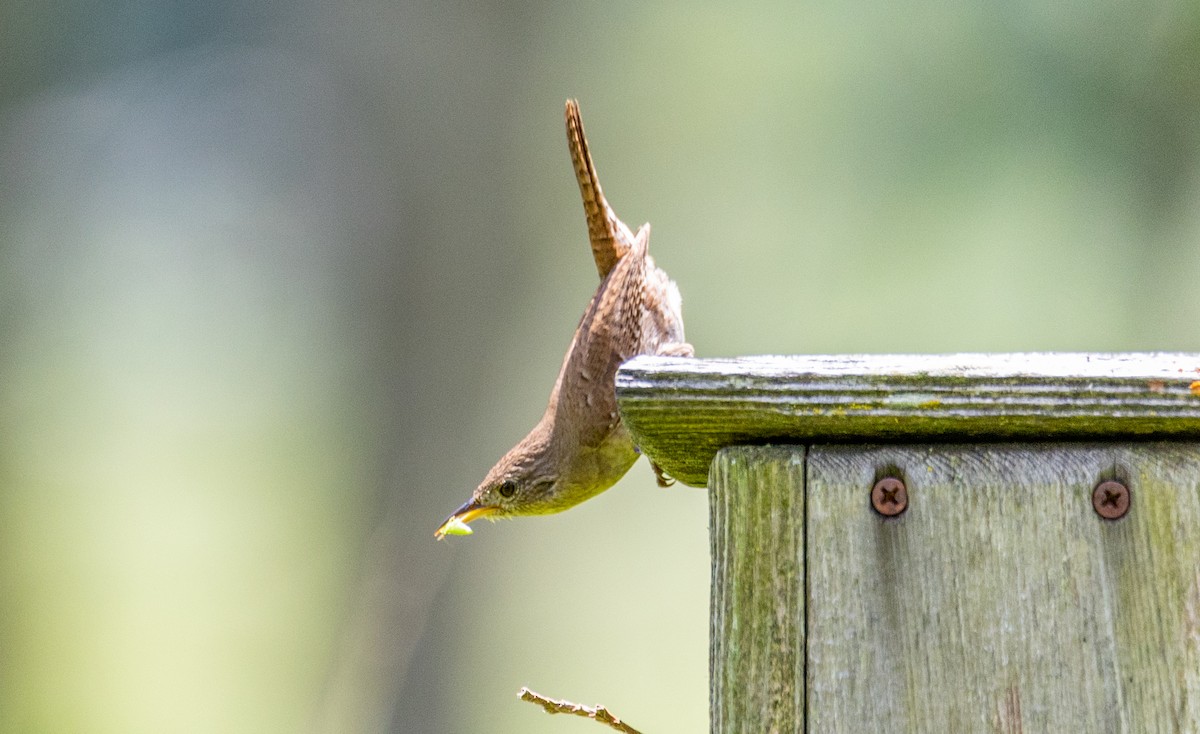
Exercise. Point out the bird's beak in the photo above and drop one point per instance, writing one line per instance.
(456, 524)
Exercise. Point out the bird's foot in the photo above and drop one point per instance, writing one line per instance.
(663, 479)
(676, 349)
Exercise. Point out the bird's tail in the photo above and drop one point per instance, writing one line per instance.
(610, 238)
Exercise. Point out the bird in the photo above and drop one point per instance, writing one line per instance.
(580, 447)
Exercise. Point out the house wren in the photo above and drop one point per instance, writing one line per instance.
(580, 447)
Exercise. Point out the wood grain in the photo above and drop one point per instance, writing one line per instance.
(1000, 601)
(757, 637)
(682, 411)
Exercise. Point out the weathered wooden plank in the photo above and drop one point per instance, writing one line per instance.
(757, 642)
(681, 411)
(999, 601)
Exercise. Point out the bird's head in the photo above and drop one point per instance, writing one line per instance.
(523, 482)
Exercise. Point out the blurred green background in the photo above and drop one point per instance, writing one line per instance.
(279, 281)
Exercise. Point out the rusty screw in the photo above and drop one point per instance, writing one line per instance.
(1111, 500)
(889, 497)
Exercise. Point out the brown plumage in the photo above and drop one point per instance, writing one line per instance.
(580, 448)
(609, 236)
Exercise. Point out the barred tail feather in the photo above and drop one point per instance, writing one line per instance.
(609, 236)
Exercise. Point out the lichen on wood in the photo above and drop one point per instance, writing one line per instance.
(682, 411)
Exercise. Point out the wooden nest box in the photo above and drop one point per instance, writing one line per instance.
(941, 543)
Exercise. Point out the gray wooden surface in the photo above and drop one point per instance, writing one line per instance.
(681, 411)
(757, 642)
(998, 602)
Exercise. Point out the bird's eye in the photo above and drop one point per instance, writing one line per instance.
(507, 488)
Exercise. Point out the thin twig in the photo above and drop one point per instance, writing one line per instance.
(553, 706)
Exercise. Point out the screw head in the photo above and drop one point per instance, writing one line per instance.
(889, 497)
(1111, 500)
